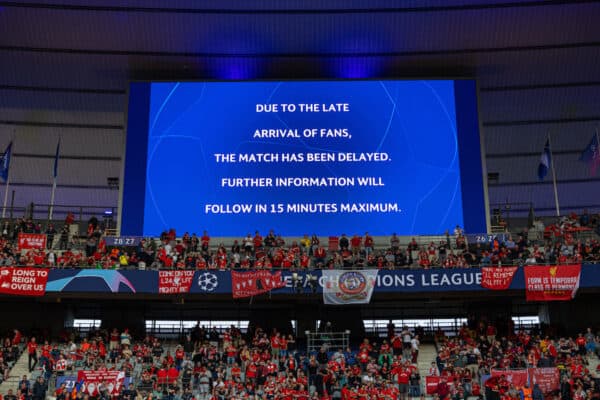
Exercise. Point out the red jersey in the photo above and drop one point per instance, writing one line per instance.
(31, 347)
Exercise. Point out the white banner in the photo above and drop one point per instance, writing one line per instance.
(348, 287)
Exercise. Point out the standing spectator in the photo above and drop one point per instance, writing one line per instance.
(50, 232)
(10, 395)
(125, 338)
(356, 243)
(406, 343)
(414, 342)
(344, 242)
(257, 241)
(39, 389)
(17, 338)
(314, 244)
(248, 245)
(69, 219)
(32, 352)
(394, 242)
(205, 241)
(491, 333)
(590, 341)
(369, 244)
(433, 370)
(565, 389)
(414, 389)
(64, 237)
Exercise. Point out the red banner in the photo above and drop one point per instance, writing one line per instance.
(547, 378)
(431, 384)
(172, 282)
(32, 241)
(247, 284)
(497, 278)
(517, 377)
(92, 380)
(558, 282)
(23, 281)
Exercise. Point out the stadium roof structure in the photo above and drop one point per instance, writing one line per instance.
(65, 66)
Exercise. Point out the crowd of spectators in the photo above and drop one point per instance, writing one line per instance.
(559, 243)
(208, 365)
(465, 359)
(211, 365)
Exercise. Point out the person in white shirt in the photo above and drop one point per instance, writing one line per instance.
(61, 366)
(51, 258)
(531, 260)
(406, 344)
(414, 343)
(248, 245)
(433, 370)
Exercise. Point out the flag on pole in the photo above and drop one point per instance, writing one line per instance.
(5, 162)
(591, 155)
(56, 160)
(545, 161)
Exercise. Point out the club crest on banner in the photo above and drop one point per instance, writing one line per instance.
(352, 284)
(347, 287)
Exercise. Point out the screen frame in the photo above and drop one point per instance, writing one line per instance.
(475, 126)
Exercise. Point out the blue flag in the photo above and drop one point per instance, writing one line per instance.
(56, 159)
(591, 154)
(545, 161)
(5, 162)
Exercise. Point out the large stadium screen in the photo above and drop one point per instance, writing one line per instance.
(299, 157)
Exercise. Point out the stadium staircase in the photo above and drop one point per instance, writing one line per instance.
(20, 368)
(427, 354)
(593, 363)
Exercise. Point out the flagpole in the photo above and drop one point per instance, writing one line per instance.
(54, 175)
(5, 196)
(556, 204)
(52, 200)
(7, 185)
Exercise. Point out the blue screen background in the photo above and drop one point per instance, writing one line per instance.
(185, 124)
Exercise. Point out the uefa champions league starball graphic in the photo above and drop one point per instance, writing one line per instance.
(207, 282)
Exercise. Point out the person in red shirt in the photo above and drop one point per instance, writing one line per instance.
(580, 342)
(476, 389)
(32, 352)
(45, 356)
(443, 390)
(251, 372)
(304, 261)
(320, 255)
(61, 365)
(231, 353)
(201, 263)
(258, 241)
(355, 243)
(17, 338)
(365, 345)
(179, 355)
(490, 333)
(162, 377)
(363, 358)
(275, 341)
